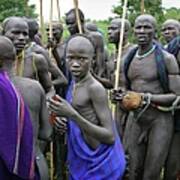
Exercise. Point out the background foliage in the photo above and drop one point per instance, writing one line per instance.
(16, 8)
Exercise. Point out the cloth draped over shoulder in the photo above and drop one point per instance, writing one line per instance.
(105, 162)
(16, 133)
(174, 46)
(161, 67)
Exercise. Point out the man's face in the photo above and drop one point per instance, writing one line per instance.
(56, 31)
(78, 59)
(113, 32)
(18, 32)
(169, 31)
(71, 23)
(144, 31)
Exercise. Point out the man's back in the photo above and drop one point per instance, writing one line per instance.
(34, 98)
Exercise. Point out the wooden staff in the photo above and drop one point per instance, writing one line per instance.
(58, 11)
(117, 71)
(26, 8)
(50, 55)
(50, 26)
(77, 16)
(142, 6)
(41, 15)
(120, 45)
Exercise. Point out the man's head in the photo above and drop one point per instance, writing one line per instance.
(90, 26)
(7, 51)
(71, 21)
(145, 29)
(16, 29)
(114, 30)
(170, 29)
(79, 54)
(57, 30)
(33, 27)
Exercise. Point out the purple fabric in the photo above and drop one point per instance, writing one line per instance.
(105, 162)
(16, 133)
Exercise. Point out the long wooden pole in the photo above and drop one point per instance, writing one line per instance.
(41, 15)
(26, 8)
(77, 16)
(118, 65)
(120, 46)
(50, 55)
(50, 26)
(58, 10)
(142, 6)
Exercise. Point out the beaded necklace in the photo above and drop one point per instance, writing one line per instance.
(145, 54)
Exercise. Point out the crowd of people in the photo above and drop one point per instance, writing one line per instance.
(61, 92)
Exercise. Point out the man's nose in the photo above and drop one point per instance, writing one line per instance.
(141, 29)
(166, 31)
(21, 37)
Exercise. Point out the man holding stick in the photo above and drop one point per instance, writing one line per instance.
(152, 82)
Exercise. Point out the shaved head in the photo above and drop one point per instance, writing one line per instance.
(147, 17)
(172, 22)
(7, 50)
(81, 41)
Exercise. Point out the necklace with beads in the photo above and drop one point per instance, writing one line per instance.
(145, 54)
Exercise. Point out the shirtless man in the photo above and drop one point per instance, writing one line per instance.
(171, 32)
(37, 105)
(58, 51)
(151, 74)
(31, 65)
(98, 63)
(92, 141)
(114, 31)
(57, 76)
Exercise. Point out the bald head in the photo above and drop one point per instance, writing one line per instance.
(118, 22)
(170, 29)
(147, 18)
(33, 27)
(114, 31)
(80, 43)
(16, 29)
(172, 22)
(10, 22)
(7, 50)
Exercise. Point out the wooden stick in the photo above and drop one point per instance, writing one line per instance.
(26, 8)
(120, 46)
(58, 10)
(41, 15)
(142, 6)
(50, 26)
(50, 55)
(77, 16)
(117, 71)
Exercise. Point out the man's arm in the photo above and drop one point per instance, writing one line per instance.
(57, 74)
(173, 73)
(45, 129)
(59, 78)
(102, 132)
(42, 72)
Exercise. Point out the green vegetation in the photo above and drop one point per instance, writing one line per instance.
(16, 8)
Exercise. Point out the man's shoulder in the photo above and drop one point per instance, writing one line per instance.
(95, 85)
(28, 83)
(171, 62)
